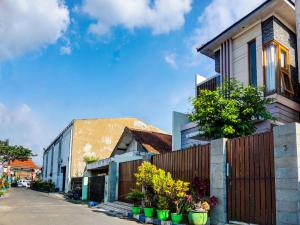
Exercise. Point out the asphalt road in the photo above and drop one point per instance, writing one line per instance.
(27, 207)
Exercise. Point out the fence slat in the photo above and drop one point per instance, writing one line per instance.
(126, 178)
(185, 164)
(251, 183)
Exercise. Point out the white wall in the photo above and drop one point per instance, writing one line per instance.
(240, 55)
(178, 120)
(132, 146)
(57, 176)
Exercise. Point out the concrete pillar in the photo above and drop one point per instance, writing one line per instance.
(85, 187)
(113, 181)
(287, 173)
(218, 180)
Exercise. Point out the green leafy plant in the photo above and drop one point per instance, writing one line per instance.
(136, 196)
(8, 152)
(144, 180)
(178, 194)
(162, 202)
(90, 157)
(230, 111)
(2, 192)
(47, 186)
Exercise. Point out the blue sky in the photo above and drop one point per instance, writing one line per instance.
(83, 61)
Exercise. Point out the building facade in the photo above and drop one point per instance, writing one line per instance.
(64, 157)
(259, 50)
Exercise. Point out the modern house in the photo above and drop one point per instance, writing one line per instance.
(260, 50)
(64, 157)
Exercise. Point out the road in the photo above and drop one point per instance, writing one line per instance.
(27, 207)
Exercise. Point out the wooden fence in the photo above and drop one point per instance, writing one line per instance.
(251, 183)
(186, 164)
(126, 178)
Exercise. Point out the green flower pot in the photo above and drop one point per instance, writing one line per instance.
(149, 212)
(163, 214)
(198, 218)
(136, 210)
(176, 218)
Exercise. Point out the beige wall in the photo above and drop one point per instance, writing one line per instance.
(99, 136)
(240, 55)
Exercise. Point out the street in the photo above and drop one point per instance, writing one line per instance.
(27, 207)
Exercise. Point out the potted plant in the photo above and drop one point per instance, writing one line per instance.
(177, 195)
(162, 186)
(162, 205)
(148, 203)
(144, 180)
(200, 208)
(136, 197)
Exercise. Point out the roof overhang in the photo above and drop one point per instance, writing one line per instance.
(283, 8)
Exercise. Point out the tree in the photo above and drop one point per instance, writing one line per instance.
(230, 111)
(8, 152)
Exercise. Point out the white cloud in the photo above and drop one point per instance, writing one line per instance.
(22, 127)
(161, 16)
(65, 50)
(27, 25)
(218, 16)
(171, 60)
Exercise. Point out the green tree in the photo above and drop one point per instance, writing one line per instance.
(8, 152)
(230, 111)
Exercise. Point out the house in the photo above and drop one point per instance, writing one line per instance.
(259, 50)
(134, 144)
(24, 169)
(64, 157)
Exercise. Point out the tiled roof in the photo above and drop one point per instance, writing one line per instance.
(153, 141)
(24, 164)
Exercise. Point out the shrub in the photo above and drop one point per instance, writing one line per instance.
(144, 179)
(136, 196)
(47, 186)
(2, 192)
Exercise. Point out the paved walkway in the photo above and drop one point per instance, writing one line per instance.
(27, 207)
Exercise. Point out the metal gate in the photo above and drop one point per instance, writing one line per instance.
(96, 188)
(76, 185)
(250, 179)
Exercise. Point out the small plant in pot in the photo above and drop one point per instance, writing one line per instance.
(162, 205)
(144, 180)
(162, 186)
(200, 208)
(136, 196)
(178, 198)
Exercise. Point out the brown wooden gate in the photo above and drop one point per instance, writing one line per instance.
(126, 178)
(250, 180)
(96, 188)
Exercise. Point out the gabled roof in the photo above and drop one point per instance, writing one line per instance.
(22, 164)
(267, 7)
(153, 142)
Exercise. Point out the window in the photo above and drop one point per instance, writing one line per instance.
(277, 71)
(285, 78)
(252, 63)
(270, 67)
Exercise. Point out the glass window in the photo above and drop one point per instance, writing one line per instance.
(283, 59)
(252, 63)
(271, 67)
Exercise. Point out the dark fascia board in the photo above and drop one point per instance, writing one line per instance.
(59, 136)
(229, 28)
